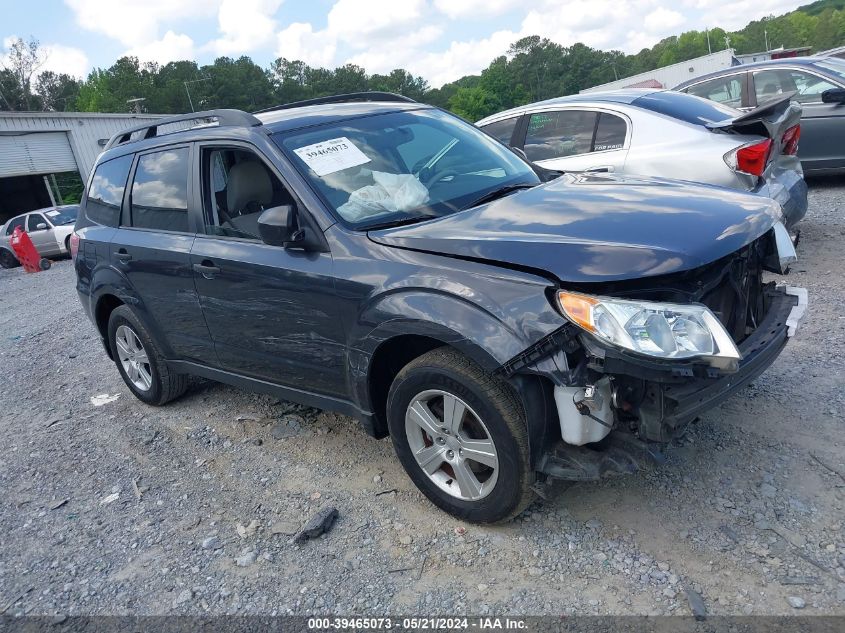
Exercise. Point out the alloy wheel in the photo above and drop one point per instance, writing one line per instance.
(133, 358)
(452, 445)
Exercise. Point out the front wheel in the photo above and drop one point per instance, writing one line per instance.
(461, 435)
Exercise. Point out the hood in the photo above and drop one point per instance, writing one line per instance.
(586, 228)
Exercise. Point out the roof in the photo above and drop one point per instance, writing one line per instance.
(625, 96)
(236, 122)
(294, 118)
(769, 63)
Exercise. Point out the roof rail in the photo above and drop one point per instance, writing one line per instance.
(233, 118)
(371, 95)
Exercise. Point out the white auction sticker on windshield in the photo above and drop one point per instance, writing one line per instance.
(333, 155)
(52, 214)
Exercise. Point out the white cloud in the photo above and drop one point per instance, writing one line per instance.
(661, 20)
(66, 59)
(384, 34)
(172, 47)
(299, 41)
(246, 25)
(136, 23)
(57, 58)
(361, 24)
(469, 8)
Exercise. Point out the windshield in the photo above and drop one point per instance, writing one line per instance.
(402, 166)
(834, 67)
(63, 215)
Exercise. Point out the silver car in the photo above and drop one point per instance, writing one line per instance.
(49, 229)
(665, 134)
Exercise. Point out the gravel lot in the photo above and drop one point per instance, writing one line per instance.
(126, 509)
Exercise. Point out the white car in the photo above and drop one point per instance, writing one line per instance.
(49, 229)
(666, 134)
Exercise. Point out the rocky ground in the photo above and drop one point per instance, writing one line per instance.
(112, 507)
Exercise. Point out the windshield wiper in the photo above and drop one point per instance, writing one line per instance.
(499, 192)
(399, 222)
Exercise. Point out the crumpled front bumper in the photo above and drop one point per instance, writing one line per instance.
(678, 403)
(669, 406)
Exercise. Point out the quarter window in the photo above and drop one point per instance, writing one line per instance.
(160, 191)
(771, 83)
(34, 220)
(726, 90)
(13, 224)
(106, 192)
(559, 134)
(502, 130)
(610, 132)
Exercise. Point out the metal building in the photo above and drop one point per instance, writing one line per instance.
(40, 150)
(671, 76)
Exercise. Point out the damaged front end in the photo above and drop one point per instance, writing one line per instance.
(639, 360)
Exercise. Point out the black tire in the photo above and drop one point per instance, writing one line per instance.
(44, 264)
(166, 385)
(495, 404)
(7, 259)
(67, 247)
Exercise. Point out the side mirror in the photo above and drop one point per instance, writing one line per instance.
(40, 226)
(279, 226)
(834, 95)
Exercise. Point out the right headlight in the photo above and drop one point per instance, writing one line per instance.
(655, 329)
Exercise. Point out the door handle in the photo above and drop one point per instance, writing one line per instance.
(123, 255)
(604, 169)
(206, 269)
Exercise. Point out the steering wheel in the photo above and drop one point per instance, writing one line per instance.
(438, 176)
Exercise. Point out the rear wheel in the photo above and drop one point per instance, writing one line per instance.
(461, 436)
(7, 260)
(139, 361)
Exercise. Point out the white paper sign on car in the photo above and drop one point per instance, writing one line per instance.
(333, 155)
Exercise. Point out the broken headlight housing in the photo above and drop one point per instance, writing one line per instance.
(668, 331)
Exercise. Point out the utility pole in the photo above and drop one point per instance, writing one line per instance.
(766, 39)
(709, 50)
(193, 81)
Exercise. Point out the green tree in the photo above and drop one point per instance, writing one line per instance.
(57, 92)
(23, 59)
(474, 103)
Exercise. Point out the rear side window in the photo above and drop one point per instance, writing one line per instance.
(17, 222)
(685, 107)
(106, 192)
(726, 90)
(160, 191)
(769, 84)
(610, 132)
(558, 134)
(502, 130)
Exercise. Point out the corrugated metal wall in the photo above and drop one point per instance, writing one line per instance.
(671, 76)
(83, 133)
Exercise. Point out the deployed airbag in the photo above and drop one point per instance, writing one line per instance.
(389, 194)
